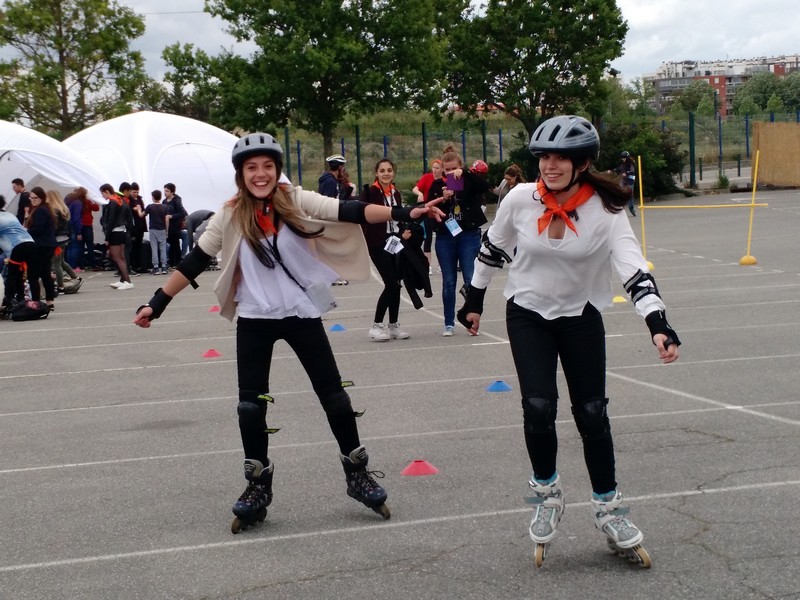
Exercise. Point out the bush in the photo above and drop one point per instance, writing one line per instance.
(723, 182)
(661, 156)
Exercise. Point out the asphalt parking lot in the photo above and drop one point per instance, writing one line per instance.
(121, 454)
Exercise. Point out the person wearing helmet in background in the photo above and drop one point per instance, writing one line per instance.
(335, 183)
(626, 169)
(562, 236)
(280, 287)
(329, 183)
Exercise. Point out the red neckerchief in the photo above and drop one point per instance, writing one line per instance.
(554, 209)
(264, 220)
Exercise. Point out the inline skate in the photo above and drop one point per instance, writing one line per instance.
(623, 537)
(548, 502)
(251, 507)
(360, 484)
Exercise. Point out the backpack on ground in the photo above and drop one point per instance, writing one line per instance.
(30, 310)
(71, 286)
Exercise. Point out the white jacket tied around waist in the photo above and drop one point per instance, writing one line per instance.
(341, 246)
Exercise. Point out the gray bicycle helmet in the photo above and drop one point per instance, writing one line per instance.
(254, 144)
(567, 135)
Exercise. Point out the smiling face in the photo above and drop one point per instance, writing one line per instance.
(35, 200)
(384, 172)
(558, 172)
(260, 175)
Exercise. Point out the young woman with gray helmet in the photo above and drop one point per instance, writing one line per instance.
(280, 287)
(562, 236)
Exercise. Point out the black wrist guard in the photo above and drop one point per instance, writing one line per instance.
(473, 303)
(402, 213)
(657, 323)
(158, 303)
(352, 211)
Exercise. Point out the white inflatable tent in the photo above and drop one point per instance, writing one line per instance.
(38, 159)
(155, 148)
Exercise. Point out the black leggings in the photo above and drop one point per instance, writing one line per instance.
(39, 266)
(255, 339)
(386, 264)
(536, 345)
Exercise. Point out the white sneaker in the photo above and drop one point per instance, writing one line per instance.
(115, 285)
(125, 285)
(378, 334)
(449, 330)
(396, 333)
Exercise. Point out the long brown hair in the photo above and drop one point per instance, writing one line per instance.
(245, 216)
(607, 186)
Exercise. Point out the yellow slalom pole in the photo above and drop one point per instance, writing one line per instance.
(748, 259)
(641, 211)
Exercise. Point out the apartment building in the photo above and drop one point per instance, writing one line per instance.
(725, 76)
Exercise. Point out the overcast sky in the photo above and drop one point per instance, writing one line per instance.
(659, 30)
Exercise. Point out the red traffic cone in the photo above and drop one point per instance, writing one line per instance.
(211, 353)
(214, 308)
(419, 467)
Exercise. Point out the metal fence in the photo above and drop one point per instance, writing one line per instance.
(714, 145)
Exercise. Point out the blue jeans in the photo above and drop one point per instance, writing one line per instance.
(74, 250)
(452, 252)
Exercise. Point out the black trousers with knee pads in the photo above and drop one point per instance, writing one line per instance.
(255, 340)
(537, 344)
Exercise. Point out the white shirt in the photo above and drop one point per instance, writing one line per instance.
(556, 278)
(265, 293)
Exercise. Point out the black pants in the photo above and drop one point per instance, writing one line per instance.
(255, 339)
(15, 280)
(39, 267)
(174, 249)
(386, 264)
(536, 345)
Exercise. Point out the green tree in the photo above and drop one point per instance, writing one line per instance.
(789, 90)
(689, 97)
(705, 108)
(534, 58)
(743, 104)
(318, 61)
(775, 104)
(191, 84)
(760, 87)
(641, 96)
(72, 64)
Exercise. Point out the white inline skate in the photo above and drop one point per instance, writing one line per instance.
(548, 502)
(623, 537)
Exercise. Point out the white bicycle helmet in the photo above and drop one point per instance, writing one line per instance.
(254, 144)
(567, 135)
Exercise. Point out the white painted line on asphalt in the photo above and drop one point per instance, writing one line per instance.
(725, 405)
(378, 526)
(376, 438)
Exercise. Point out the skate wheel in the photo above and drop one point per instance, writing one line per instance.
(641, 556)
(383, 510)
(236, 526)
(539, 554)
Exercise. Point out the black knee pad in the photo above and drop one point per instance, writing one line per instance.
(337, 403)
(252, 408)
(592, 419)
(539, 413)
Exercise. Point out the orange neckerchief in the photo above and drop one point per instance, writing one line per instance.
(116, 199)
(389, 194)
(554, 209)
(264, 220)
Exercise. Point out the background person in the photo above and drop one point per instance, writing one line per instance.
(41, 226)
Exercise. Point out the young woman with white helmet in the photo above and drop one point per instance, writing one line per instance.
(280, 288)
(562, 237)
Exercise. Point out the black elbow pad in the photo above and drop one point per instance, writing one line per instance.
(193, 264)
(352, 211)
